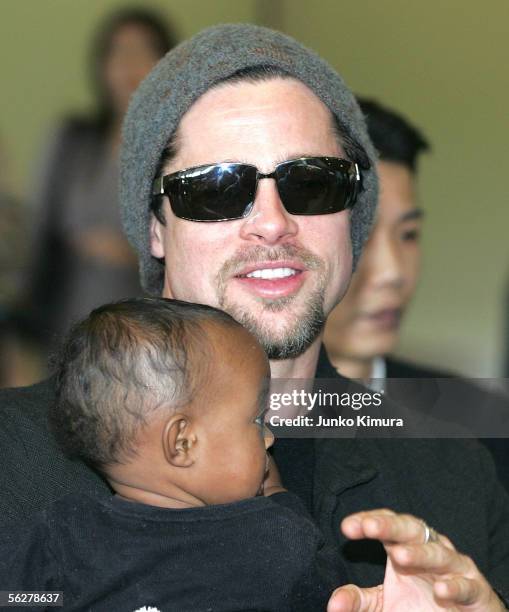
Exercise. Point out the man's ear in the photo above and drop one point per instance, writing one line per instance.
(179, 441)
(156, 238)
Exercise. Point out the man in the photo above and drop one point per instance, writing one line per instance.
(215, 123)
(363, 330)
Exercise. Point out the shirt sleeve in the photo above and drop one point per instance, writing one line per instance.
(311, 591)
(291, 501)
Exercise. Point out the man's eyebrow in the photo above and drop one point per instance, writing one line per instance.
(411, 215)
(280, 159)
(297, 155)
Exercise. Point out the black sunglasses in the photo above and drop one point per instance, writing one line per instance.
(226, 191)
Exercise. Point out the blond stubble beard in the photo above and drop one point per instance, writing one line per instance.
(306, 325)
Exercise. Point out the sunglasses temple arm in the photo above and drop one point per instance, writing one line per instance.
(158, 186)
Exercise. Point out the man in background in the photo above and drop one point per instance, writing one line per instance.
(363, 330)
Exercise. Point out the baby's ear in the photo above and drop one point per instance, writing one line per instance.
(179, 441)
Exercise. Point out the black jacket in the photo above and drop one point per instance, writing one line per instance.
(472, 398)
(451, 484)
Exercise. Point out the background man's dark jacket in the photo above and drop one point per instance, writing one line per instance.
(450, 484)
(471, 397)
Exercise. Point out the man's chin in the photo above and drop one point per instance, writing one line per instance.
(279, 351)
(282, 333)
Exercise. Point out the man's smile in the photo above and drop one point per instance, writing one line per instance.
(269, 273)
(272, 279)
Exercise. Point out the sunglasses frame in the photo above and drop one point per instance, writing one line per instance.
(161, 185)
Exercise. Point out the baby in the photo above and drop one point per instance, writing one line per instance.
(167, 400)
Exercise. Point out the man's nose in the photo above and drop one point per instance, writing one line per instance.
(385, 263)
(268, 223)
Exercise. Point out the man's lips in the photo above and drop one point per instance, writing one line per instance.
(272, 279)
(385, 318)
(270, 265)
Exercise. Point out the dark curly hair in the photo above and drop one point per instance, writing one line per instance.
(121, 364)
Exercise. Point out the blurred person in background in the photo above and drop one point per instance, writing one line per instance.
(80, 257)
(16, 366)
(363, 330)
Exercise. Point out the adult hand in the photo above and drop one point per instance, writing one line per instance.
(420, 575)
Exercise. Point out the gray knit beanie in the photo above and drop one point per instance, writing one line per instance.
(187, 72)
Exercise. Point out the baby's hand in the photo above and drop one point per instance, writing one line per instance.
(272, 483)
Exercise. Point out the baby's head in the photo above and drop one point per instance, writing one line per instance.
(167, 400)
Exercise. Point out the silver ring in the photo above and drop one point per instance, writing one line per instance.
(430, 535)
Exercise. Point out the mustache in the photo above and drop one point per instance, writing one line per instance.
(255, 254)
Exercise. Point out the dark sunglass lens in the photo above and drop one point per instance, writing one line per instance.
(313, 186)
(213, 193)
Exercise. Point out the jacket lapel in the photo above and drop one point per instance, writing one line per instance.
(348, 478)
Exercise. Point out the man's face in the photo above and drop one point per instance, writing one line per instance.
(366, 323)
(276, 273)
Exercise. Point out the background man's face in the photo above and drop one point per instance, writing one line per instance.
(310, 259)
(366, 323)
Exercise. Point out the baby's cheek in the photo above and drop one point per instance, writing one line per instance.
(248, 475)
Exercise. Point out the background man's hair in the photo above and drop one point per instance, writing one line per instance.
(120, 365)
(256, 74)
(394, 137)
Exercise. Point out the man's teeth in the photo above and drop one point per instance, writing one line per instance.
(268, 273)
